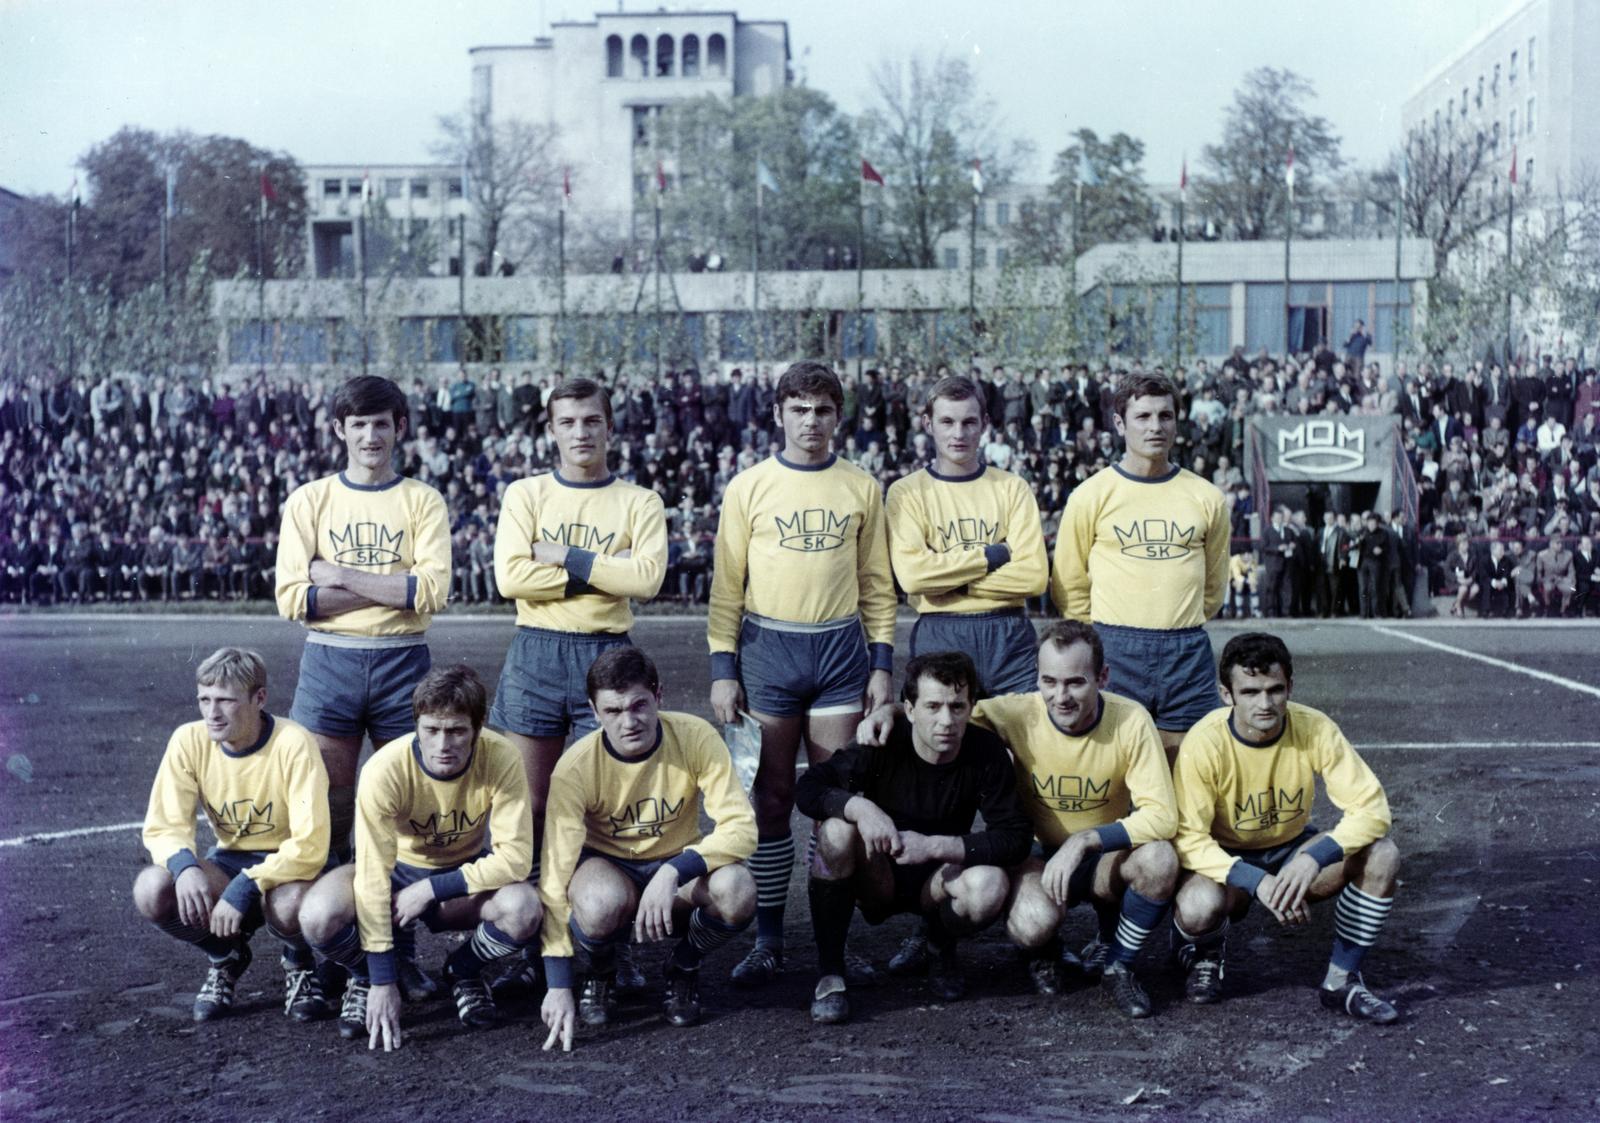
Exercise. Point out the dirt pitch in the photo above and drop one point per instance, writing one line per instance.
(1493, 775)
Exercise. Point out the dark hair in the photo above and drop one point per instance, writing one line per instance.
(1256, 652)
(1065, 633)
(620, 668)
(451, 690)
(954, 388)
(952, 668)
(1142, 386)
(366, 394)
(807, 379)
(581, 389)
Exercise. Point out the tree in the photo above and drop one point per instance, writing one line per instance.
(1453, 189)
(930, 123)
(1240, 182)
(805, 142)
(513, 185)
(1115, 205)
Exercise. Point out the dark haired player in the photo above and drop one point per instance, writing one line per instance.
(801, 570)
(364, 562)
(895, 829)
(429, 806)
(1246, 781)
(1142, 553)
(572, 547)
(624, 857)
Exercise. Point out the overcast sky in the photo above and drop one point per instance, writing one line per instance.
(362, 81)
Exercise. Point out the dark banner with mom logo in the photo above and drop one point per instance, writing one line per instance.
(1325, 449)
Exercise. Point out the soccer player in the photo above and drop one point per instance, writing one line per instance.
(264, 790)
(1143, 553)
(572, 546)
(623, 853)
(801, 568)
(442, 836)
(364, 562)
(1246, 781)
(895, 829)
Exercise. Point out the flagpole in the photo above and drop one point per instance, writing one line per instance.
(1399, 229)
(361, 259)
(861, 265)
(166, 218)
(261, 260)
(656, 257)
(72, 232)
(755, 273)
(1288, 236)
(1511, 209)
(1177, 315)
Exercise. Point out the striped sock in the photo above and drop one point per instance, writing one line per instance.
(771, 865)
(215, 947)
(487, 945)
(1139, 918)
(1357, 921)
(602, 950)
(296, 952)
(706, 934)
(345, 950)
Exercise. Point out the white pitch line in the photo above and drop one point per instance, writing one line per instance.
(79, 832)
(1543, 676)
(1477, 745)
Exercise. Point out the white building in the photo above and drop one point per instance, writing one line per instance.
(413, 210)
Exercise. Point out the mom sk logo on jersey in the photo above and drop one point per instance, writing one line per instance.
(1264, 810)
(366, 544)
(444, 829)
(242, 818)
(815, 529)
(1071, 793)
(965, 533)
(581, 536)
(1155, 539)
(645, 818)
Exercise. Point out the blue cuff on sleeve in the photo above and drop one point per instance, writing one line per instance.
(1242, 875)
(311, 603)
(997, 555)
(724, 664)
(689, 865)
(181, 861)
(580, 563)
(881, 655)
(576, 587)
(411, 592)
(381, 968)
(1114, 836)
(242, 891)
(1325, 851)
(449, 886)
(558, 971)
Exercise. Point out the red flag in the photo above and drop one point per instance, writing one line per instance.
(1183, 179)
(267, 191)
(1513, 165)
(661, 177)
(869, 173)
(566, 184)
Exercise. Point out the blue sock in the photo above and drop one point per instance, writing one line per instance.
(602, 949)
(345, 950)
(771, 866)
(706, 934)
(1140, 916)
(1357, 921)
(487, 945)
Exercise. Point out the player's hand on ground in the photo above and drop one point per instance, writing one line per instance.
(877, 830)
(325, 575)
(727, 699)
(874, 728)
(1292, 883)
(194, 898)
(653, 921)
(226, 921)
(1057, 876)
(559, 1013)
(412, 901)
(880, 690)
(383, 1017)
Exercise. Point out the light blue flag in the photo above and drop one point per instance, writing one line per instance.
(764, 177)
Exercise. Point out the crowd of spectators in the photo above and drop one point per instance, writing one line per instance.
(131, 488)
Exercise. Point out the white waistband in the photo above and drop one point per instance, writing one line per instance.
(366, 643)
(804, 629)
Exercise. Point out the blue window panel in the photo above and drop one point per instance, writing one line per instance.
(247, 343)
(1211, 327)
(683, 339)
(411, 342)
(444, 340)
(860, 335)
(1350, 303)
(1307, 292)
(1384, 322)
(347, 342)
(1209, 296)
(521, 339)
(1386, 289)
(305, 343)
(1264, 317)
(952, 334)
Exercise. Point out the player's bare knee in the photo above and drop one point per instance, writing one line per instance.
(1381, 867)
(600, 911)
(1153, 870)
(515, 910)
(154, 894)
(1033, 918)
(837, 844)
(733, 894)
(980, 892)
(282, 905)
(1200, 905)
(325, 911)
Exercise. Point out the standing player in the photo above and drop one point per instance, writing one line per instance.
(895, 829)
(801, 568)
(571, 548)
(1143, 554)
(623, 852)
(261, 783)
(364, 561)
(430, 806)
(1246, 781)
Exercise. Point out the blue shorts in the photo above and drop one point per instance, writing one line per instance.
(1271, 859)
(235, 862)
(638, 872)
(403, 875)
(1002, 644)
(348, 691)
(542, 690)
(788, 670)
(1080, 886)
(1170, 673)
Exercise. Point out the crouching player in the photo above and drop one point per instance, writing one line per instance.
(623, 854)
(1246, 781)
(427, 809)
(1094, 780)
(261, 782)
(895, 829)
